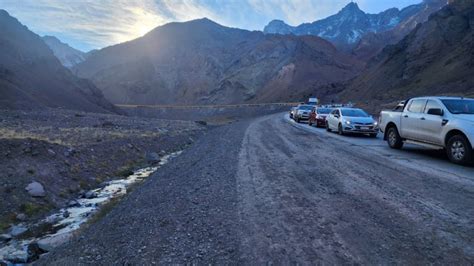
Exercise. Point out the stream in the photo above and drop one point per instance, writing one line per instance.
(65, 222)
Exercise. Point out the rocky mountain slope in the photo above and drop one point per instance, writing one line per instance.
(373, 42)
(31, 76)
(201, 62)
(346, 28)
(435, 58)
(67, 55)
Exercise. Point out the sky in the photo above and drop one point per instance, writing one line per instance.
(94, 24)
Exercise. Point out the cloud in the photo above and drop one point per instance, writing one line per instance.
(89, 24)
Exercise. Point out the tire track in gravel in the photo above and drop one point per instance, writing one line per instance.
(339, 203)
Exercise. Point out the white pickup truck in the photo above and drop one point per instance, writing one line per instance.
(435, 122)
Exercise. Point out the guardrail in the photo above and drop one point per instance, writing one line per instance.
(204, 106)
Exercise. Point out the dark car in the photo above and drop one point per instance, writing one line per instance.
(318, 116)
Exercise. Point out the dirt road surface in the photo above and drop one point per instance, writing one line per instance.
(269, 190)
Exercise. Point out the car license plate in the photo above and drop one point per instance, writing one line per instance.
(364, 128)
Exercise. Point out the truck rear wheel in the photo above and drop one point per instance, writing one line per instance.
(393, 138)
(459, 150)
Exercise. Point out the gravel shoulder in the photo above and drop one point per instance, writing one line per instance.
(267, 191)
(185, 212)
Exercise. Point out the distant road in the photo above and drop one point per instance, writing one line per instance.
(270, 191)
(205, 106)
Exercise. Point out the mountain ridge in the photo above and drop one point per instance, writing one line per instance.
(67, 55)
(31, 77)
(436, 58)
(201, 61)
(345, 28)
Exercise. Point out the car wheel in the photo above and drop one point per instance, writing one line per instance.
(340, 131)
(459, 150)
(393, 138)
(327, 127)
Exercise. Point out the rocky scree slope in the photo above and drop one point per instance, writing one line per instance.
(31, 76)
(67, 55)
(202, 62)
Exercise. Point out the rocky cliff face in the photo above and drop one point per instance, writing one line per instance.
(201, 62)
(67, 55)
(347, 27)
(373, 42)
(435, 58)
(32, 77)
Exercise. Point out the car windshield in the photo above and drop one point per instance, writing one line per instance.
(324, 110)
(305, 107)
(354, 113)
(460, 106)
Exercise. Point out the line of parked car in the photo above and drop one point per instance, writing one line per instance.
(433, 122)
(343, 120)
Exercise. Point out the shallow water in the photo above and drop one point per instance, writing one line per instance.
(67, 220)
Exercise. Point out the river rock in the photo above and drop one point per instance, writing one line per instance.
(48, 244)
(34, 251)
(73, 203)
(5, 237)
(17, 256)
(35, 189)
(21, 217)
(69, 152)
(90, 194)
(152, 157)
(17, 230)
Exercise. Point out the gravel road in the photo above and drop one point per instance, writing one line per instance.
(270, 191)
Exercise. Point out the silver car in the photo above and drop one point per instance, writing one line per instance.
(351, 120)
(292, 111)
(302, 112)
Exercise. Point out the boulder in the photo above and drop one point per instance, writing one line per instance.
(5, 237)
(90, 194)
(35, 189)
(49, 243)
(152, 157)
(34, 251)
(73, 203)
(17, 230)
(69, 152)
(21, 217)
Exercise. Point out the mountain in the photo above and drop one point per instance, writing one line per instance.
(436, 58)
(202, 62)
(67, 55)
(32, 77)
(373, 42)
(346, 28)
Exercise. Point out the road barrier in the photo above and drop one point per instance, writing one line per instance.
(205, 106)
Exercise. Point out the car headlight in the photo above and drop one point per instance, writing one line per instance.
(348, 122)
(376, 123)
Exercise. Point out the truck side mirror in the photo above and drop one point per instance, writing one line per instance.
(435, 111)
